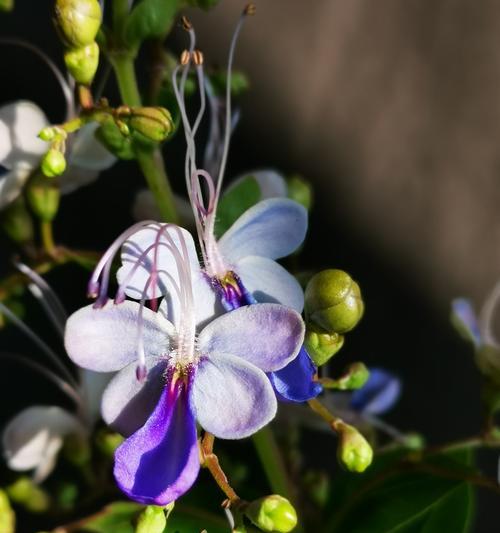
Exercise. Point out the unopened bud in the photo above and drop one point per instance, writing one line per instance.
(300, 191)
(43, 197)
(333, 301)
(272, 513)
(53, 163)
(82, 62)
(151, 520)
(48, 133)
(353, 451)
(78, 21)
(17, 223)
(321, 345)
(487, 358)
(155, 123)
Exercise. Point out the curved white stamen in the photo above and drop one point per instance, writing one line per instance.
(120, 294)
(486, 317)
(99, 289)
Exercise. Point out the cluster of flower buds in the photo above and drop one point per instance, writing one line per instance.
(54, 162)
(78, 22)
(333, 306)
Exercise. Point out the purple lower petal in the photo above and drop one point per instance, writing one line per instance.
(294, 383)
(379, 393)
(160, 461)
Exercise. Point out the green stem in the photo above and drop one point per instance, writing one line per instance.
(47, 237)
(150, 161)
(272, 462)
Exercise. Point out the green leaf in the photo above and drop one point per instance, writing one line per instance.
(235, 202)
(117, 516)
(394, 500)
(150, 19)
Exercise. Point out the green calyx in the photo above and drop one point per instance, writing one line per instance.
(353, 452)
(272, 513)
(321, 345)
(333, 301)
(78, 21)
(82, 62)
(53, 163)
(155, 123)
(43, 197)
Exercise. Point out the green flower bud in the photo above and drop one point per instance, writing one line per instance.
(151, 520)
(353, 451)
(43, 197)
(272, 513)
(321, 345)
(53, 163)
(48, 133)
(25, 492)
(17, 222)
(300, 191)
(7, 516)
(333, 301)
(155, 123)
(82, 62)
(78, 21)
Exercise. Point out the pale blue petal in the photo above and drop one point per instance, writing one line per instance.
(378, 395)
(106, 339)
(268, 282)
(127, 402)
(272, 228)
(231, 398)
(465, 320)
(271, 183)
(266, 335)
(93, 385)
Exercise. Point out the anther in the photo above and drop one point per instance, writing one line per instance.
(250, 9)
(186, 23)
(197, 58)
(185, 57)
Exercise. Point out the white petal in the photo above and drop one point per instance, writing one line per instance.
(20, 124)
(272, 228)
(106, 339)
(137, 245)
(271, 183)
(12, 183)
(268, 281)
(127, 402)
(33, 437)
(231, 398)
(87, 152)
(207, 304)
(267, 335)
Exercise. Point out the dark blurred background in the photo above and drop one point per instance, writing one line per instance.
(391, 110)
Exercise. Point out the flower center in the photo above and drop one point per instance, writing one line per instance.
(231, 291)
